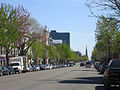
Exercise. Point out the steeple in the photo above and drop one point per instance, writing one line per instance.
(86, 53)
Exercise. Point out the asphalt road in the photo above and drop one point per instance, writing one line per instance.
(70, 78)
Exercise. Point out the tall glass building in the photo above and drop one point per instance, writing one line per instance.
(60, 37)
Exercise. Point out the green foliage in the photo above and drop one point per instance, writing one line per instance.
(8, 25)
(84, 58)
(73, 56)
(53, 52)
(61, 52)
(107, 37)
(64, 52)
(39, 50)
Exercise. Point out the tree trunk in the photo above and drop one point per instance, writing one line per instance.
(23, 51)
(7, 58)
(109, 50)
(35, 60)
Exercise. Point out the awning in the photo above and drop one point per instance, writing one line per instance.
(1, 59)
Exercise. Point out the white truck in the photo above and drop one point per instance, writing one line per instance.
(19, 63)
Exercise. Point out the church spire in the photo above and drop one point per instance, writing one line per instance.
(86, 53)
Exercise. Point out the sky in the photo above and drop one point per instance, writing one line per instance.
(64, 16)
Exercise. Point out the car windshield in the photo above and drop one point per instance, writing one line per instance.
(14, 64)
(87, 62)
(0, 68)
(115, 64)
(36, 66)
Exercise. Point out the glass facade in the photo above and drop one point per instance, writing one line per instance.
(65, 37)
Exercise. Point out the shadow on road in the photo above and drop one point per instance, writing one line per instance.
(84, 80)
(99, 88)
(86, 70)
(89, 80)
(102, 88)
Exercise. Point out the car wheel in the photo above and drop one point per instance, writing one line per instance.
(10, 73)
(20, 72)
(15, 72)
(7, 73)
(1, 74)
(107, 86)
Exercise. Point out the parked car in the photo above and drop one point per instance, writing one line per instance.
(19, 63)
(102, 68)
(112, 74)
(71, 64)
(37, 67)
(96, 65)
(11, 70)
(5, 71)
(88, 65)
(54, 66)
(82, 64)
(1, 71)
(51, 66)
(16, 67)
(47, 66)
(42, 67)
(30, 69)
(34, 68)
(57, 66)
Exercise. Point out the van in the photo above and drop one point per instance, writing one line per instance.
(19, 63)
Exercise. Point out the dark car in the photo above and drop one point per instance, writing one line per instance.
(88, 65)
(5, 71)
(112, 74)
(82, 64)
(102, 69)
(43, 67)
(1, 71)
(96, 65)
(11, 70)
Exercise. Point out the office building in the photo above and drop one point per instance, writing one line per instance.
(60, 37)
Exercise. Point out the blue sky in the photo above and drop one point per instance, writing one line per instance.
(64, 16)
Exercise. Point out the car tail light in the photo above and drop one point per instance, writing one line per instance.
(108, 72)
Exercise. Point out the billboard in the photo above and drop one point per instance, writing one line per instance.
(57, 41)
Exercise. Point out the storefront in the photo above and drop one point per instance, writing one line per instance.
(2, 60)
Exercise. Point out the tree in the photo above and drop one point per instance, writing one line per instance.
(100, 53)
(8, 27)
(106, 31)
(54, 54)
(22, 17)
(64, 52)
(84, 58)
(73, 56)
(58, 54)
(108, 7)
(34, 27)
(39, 50)
(29, 29)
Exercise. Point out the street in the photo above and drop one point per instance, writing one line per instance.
(70, 78)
